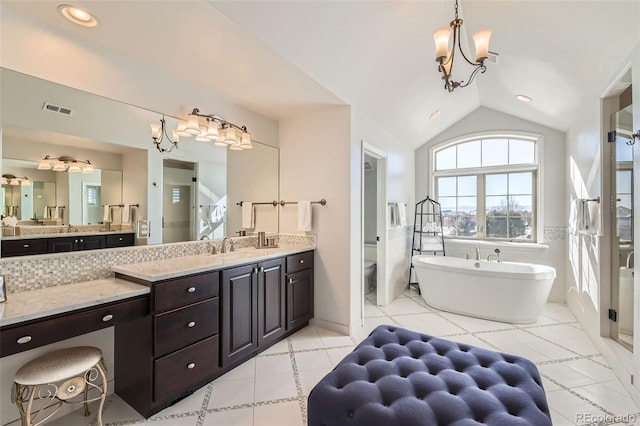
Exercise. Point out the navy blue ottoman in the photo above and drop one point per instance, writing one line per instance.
(397, 377)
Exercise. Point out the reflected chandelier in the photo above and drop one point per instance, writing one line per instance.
(8, 179)
(217, 130)
(445, 56)
(65, 163)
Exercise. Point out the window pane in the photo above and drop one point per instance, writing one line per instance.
(519, 227)
(466, 225)
(623, 181)
(520, 183)
(447, 203)
(521, 151)
(447, 187)
(624, 152)
(469, 154)
(495, 152)
(625, 203)
(496, 184)
(497, 204)
(520, 203)
(497, 226)
(446, 159)
(467, 185)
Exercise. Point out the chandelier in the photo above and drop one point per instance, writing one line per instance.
(8, 179)
(65, 163)
(445, 56)
(215, 129)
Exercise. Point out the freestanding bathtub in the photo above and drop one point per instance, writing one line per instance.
(500, 291)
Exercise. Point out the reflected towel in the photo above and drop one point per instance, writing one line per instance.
(45, 213)
(55, 213)
(394, 219)
(402, 213)
(304, 216)
(248, 220)
(106, 213)
(592, 217)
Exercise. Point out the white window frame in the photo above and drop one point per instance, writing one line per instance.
(538, 190)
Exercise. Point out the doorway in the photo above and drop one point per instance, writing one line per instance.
(374, 227)
(178, 201)
(622, 226)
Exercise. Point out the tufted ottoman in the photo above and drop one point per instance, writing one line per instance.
(397, 377)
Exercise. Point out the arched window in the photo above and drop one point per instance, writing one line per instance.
(488, 186)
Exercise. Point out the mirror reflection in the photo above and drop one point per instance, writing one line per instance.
(128, 169)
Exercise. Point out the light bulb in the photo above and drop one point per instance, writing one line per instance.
(212, 131)
(44, 165)
(481, 39)
(230, 136)
(25, 182)
(156, 131)
(87, 169)
(59, 166)
(180, 130)
(193, 127)
(74, 168)
(441, 38)
(245, 142)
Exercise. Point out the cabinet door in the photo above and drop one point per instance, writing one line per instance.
(23, 247)
(239, 313)
(299, 298)
(91, 242)
(59, 245)
(271, 301)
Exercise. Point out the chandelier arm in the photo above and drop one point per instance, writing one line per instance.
(457, 30)
(218, 119)
(479, 68)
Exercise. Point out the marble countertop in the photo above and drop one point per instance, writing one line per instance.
(64, 234)
(171, 268)
(40, 303)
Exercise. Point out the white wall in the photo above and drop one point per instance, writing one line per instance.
(554, 200)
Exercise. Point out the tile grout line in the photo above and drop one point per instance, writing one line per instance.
(296, 377)
(205, 405)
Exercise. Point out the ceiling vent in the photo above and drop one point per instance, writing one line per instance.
(57, 108)
(493, 58)
(368, 165)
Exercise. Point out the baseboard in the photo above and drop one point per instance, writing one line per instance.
(330, 325)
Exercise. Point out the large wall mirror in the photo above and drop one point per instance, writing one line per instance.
(116, 139)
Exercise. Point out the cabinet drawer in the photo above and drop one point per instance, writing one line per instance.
(179, 370)
(25, 246)
(298, 262)
(119, 240)
(182, 291)
(55, 328)
(182, 327)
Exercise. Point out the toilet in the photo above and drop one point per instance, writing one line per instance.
(370, 253)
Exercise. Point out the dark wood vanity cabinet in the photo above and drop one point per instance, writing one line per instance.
(24, 247)
(203, 325)
(61, 244)
(299, 281)
(120, 240)
(64, 244)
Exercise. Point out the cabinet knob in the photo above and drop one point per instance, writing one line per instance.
(290, 280)
(120, 239)
(261, 269)
(191, 289)
(75, 241)
(107, 318)
(191, 324)
(81, 240)
(301, 260)
(255, 270)
(25, 245)
(191, 366)
(23, 340)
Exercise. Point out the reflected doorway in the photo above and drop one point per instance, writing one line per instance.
(178, 204)
(622, 261)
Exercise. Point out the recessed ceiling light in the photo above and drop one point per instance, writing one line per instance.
(523, 98)
(77, 15)
(435, 115)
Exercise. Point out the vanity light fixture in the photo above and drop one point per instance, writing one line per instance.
(445, 56)
(65, 164)
(77, 15)
(217, 130)
(8, 179)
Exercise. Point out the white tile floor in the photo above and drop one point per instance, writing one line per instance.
(272, 388)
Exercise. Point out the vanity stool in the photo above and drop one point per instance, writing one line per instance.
(397, 377)
(62, 376)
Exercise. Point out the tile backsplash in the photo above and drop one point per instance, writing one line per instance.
(40, 271)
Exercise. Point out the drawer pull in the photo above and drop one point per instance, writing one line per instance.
(290, 280)
(191, 366)
(191, 289)
(120, 239)
(107, 318)
(25, 245)
(301, 260)
(23, 340)
(191, 324)
(261, 269)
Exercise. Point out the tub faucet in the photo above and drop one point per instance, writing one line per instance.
(496, 255)
(629, 256)
(477, 252)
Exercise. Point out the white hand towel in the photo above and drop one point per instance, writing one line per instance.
(45, 213)
(247, 215)
(55, 213)
(126, 214)
(304, 216)
(106, 213)
(593, 213)
(402, 212)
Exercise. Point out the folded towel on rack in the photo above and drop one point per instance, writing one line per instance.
(106, 213)
(402, 214)
(45, 213)
(304, 216)
(55, 214)
(126, 214)
(592, 217)
(248, 218)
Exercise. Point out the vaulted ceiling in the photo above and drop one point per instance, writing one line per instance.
(281, 58)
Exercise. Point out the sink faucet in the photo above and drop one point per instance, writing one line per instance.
(477, 252)
(231, 245)
(496, 255)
